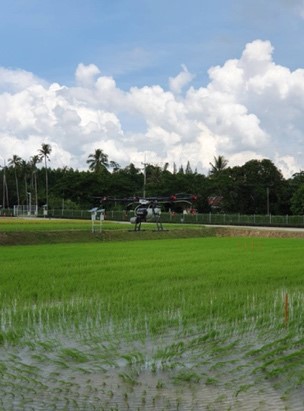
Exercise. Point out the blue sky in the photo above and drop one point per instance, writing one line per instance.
(138, 78)
(142, 42)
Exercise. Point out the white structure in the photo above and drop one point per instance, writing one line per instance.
(97, 214)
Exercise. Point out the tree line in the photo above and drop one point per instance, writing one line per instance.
(257, 187)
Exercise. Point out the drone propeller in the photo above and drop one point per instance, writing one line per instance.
(175, 198)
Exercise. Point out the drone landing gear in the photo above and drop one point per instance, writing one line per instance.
(137, 226)
(159, 224)
(138, 221)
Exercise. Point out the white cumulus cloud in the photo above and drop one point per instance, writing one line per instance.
(250, 108)
(180, 81)
(85, 75)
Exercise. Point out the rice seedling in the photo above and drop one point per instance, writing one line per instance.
(195, 311)
(134, 358)
(160, 384)
(129, 378)
(188, 376)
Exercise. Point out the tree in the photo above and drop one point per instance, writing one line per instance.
(165, 167)
(15, 163)
(219, 179)
(5, 200)
(261, 187)
(26, 174)
(297, 201)
(219, 164)
(181, 170)
(44, 153)
(34, 160)
(188, 168)
(98, 161)
(115, 166)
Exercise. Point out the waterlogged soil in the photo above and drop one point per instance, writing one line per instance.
(96, 371)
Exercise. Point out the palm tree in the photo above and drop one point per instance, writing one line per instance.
(15, 162)
(25, 173)
(98, 161)
(5, 200)
(220, 163)
(115, 166)
(34, 160)
(44, 153)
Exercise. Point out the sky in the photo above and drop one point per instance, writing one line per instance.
(154, 81)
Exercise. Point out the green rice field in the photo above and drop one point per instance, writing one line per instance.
(171, 324)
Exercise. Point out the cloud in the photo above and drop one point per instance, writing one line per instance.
(250, 108)
(180, 81)
(17, 80)
(85, 75)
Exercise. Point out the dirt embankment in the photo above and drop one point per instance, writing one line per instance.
(259, 232)
(36, 237)
(74, 236)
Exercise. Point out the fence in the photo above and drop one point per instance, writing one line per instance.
(221, 219)
(25, 210)
(208, 218)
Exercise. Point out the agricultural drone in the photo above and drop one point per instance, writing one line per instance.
(148, 209)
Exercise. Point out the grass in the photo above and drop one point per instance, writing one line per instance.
(18, 231)
(126, 316)
(8, 224)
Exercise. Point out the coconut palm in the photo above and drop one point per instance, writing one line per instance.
(34, 160)
(98, 161)
(15, 162)
(220, 163)
(114, 166)
(25, 169)
(44, 153)
(5, 200)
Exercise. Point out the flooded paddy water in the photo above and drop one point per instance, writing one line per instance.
(210, 370)
(89, 335)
